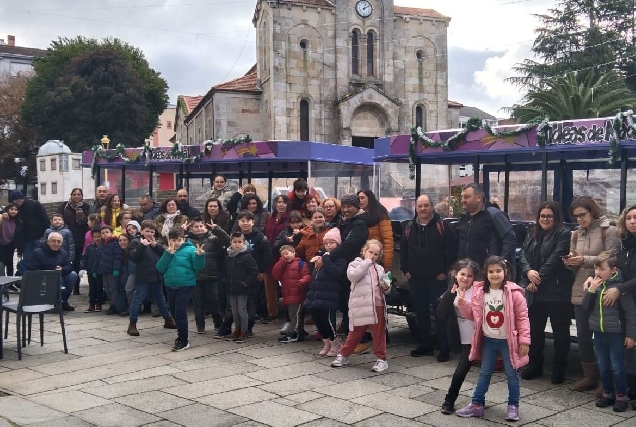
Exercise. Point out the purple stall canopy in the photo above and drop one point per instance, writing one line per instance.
(572, 139)
(171, 158)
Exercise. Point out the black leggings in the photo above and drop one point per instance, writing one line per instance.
(460, 373)
(323, 324)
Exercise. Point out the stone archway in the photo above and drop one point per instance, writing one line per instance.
(368, 121)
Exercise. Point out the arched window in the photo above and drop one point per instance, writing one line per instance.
(304, 120)
(370, 53)
(419, 117)
(355, 52)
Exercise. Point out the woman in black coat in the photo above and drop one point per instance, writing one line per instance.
(548, 285)
(75, 213)
(626, 228)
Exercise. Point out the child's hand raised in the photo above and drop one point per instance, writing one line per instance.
(185, 226)
(211, 225)
(368, 256)
(145, 242)
(454, 289)
(199, 250)
(461, 296)
(629, 342)
(171, 249)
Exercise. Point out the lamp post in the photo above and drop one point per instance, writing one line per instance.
(105, 143)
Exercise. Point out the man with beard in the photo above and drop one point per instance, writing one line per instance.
(184, 205)
(101, 194)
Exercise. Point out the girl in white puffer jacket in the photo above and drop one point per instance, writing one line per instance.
(367, 306)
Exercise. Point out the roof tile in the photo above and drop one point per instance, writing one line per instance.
(246, 83)
(415, 11)
(191, 102)
(19, 50)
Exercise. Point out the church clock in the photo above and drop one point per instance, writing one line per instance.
(364, 8)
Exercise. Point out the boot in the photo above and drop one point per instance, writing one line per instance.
(448, 407)
(534, 370)
(326, 348)
(334, 347)
(590, 378)
(631, 383)
(170, 323)
(132, 329)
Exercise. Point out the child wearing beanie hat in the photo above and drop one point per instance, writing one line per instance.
(333, 234)
(133, 228)
(324, 291)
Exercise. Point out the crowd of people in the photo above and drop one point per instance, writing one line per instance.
(233, 259)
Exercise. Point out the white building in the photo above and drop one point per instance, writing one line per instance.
(59, 171)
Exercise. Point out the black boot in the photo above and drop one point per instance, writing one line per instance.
(631, 383)
(558, 374)
(534, 370)
(448, 407)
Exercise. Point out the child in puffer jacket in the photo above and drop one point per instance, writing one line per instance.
(367, 306)
(110, 266)
(293, 274)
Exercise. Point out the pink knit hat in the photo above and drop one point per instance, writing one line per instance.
(333, 234)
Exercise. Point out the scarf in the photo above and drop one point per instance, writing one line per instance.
(168, 223)
(80, 215)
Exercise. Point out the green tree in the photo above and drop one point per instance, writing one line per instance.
(585, 35)
(17, 141)
(575, 96)
(86, 88)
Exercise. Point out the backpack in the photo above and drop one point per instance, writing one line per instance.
(441, 228)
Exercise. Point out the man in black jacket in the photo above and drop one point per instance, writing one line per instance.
(52, 257)
(184, 205)
(484, 230)
(35, 221)
(428, 250)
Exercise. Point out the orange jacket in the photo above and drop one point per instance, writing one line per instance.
(383, 231)
(310, 243)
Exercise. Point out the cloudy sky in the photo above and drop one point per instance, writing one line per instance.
(196, 44)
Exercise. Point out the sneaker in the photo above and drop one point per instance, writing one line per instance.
(443, 356)
(110, 311)
(471, 410)
(288, 339)
(268, 319)
(222, 334)
(422, 351)
(180, 345)
(258, 318)
(380, 366)
(621, 404)
(340, 361)
(90, 309)
(605, 401)
(512, 414)
(98, 308)
(200, 330)
(242, 338)
(302, 335)
(448, 407)
(362, 348)
(250, 334)
(286, 329)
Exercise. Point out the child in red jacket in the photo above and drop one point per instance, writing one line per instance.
(293, 274)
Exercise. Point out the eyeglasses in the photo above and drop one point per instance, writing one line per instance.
(546, 216)
(580, 216)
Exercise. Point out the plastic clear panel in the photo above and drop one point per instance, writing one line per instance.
(338, 179)
(604, 186)
(525, 192)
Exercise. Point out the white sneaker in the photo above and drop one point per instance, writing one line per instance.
(340, 361)
(380, 366)
(286, 329)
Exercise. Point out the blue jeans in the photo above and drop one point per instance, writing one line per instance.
(490, 348)
(142, 291)
(66, 283)
(239, 305)
(425, 293)
(180, 296)
(610, 356)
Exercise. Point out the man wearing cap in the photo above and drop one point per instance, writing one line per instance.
(52, 257)
(354, 229)
(35, 221)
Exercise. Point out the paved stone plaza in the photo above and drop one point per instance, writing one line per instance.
(111, 379)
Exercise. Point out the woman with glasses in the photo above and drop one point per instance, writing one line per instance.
(75, 213)
(595, 235)
(548, 284)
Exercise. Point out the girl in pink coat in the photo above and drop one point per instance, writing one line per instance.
(367, 306)
(498, 308)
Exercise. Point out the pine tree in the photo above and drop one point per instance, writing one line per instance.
(583, 35)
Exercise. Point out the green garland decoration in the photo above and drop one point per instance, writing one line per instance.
(176, 152)
(459, 139)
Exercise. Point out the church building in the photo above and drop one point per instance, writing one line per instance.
(339, 71)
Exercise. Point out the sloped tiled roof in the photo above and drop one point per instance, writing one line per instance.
(19, 50)
(246, 83)
(415, 11)
(453, 104)
(191, 102)
(467, 111)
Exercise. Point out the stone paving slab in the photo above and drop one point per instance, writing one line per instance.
(339, 409)
(274, 414)
(235, 398)
(197, 415)
(153, 401)
(125, 388)
(116, 415)
(70, 401)
(23, 411)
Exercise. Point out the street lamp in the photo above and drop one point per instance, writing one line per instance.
(105, 143)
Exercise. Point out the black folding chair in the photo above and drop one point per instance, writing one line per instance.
(39, 293)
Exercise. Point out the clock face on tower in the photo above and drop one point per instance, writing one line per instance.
(364, 8)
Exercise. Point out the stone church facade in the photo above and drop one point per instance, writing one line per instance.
(340, 71)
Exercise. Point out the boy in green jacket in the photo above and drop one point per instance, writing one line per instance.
(179, 265)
